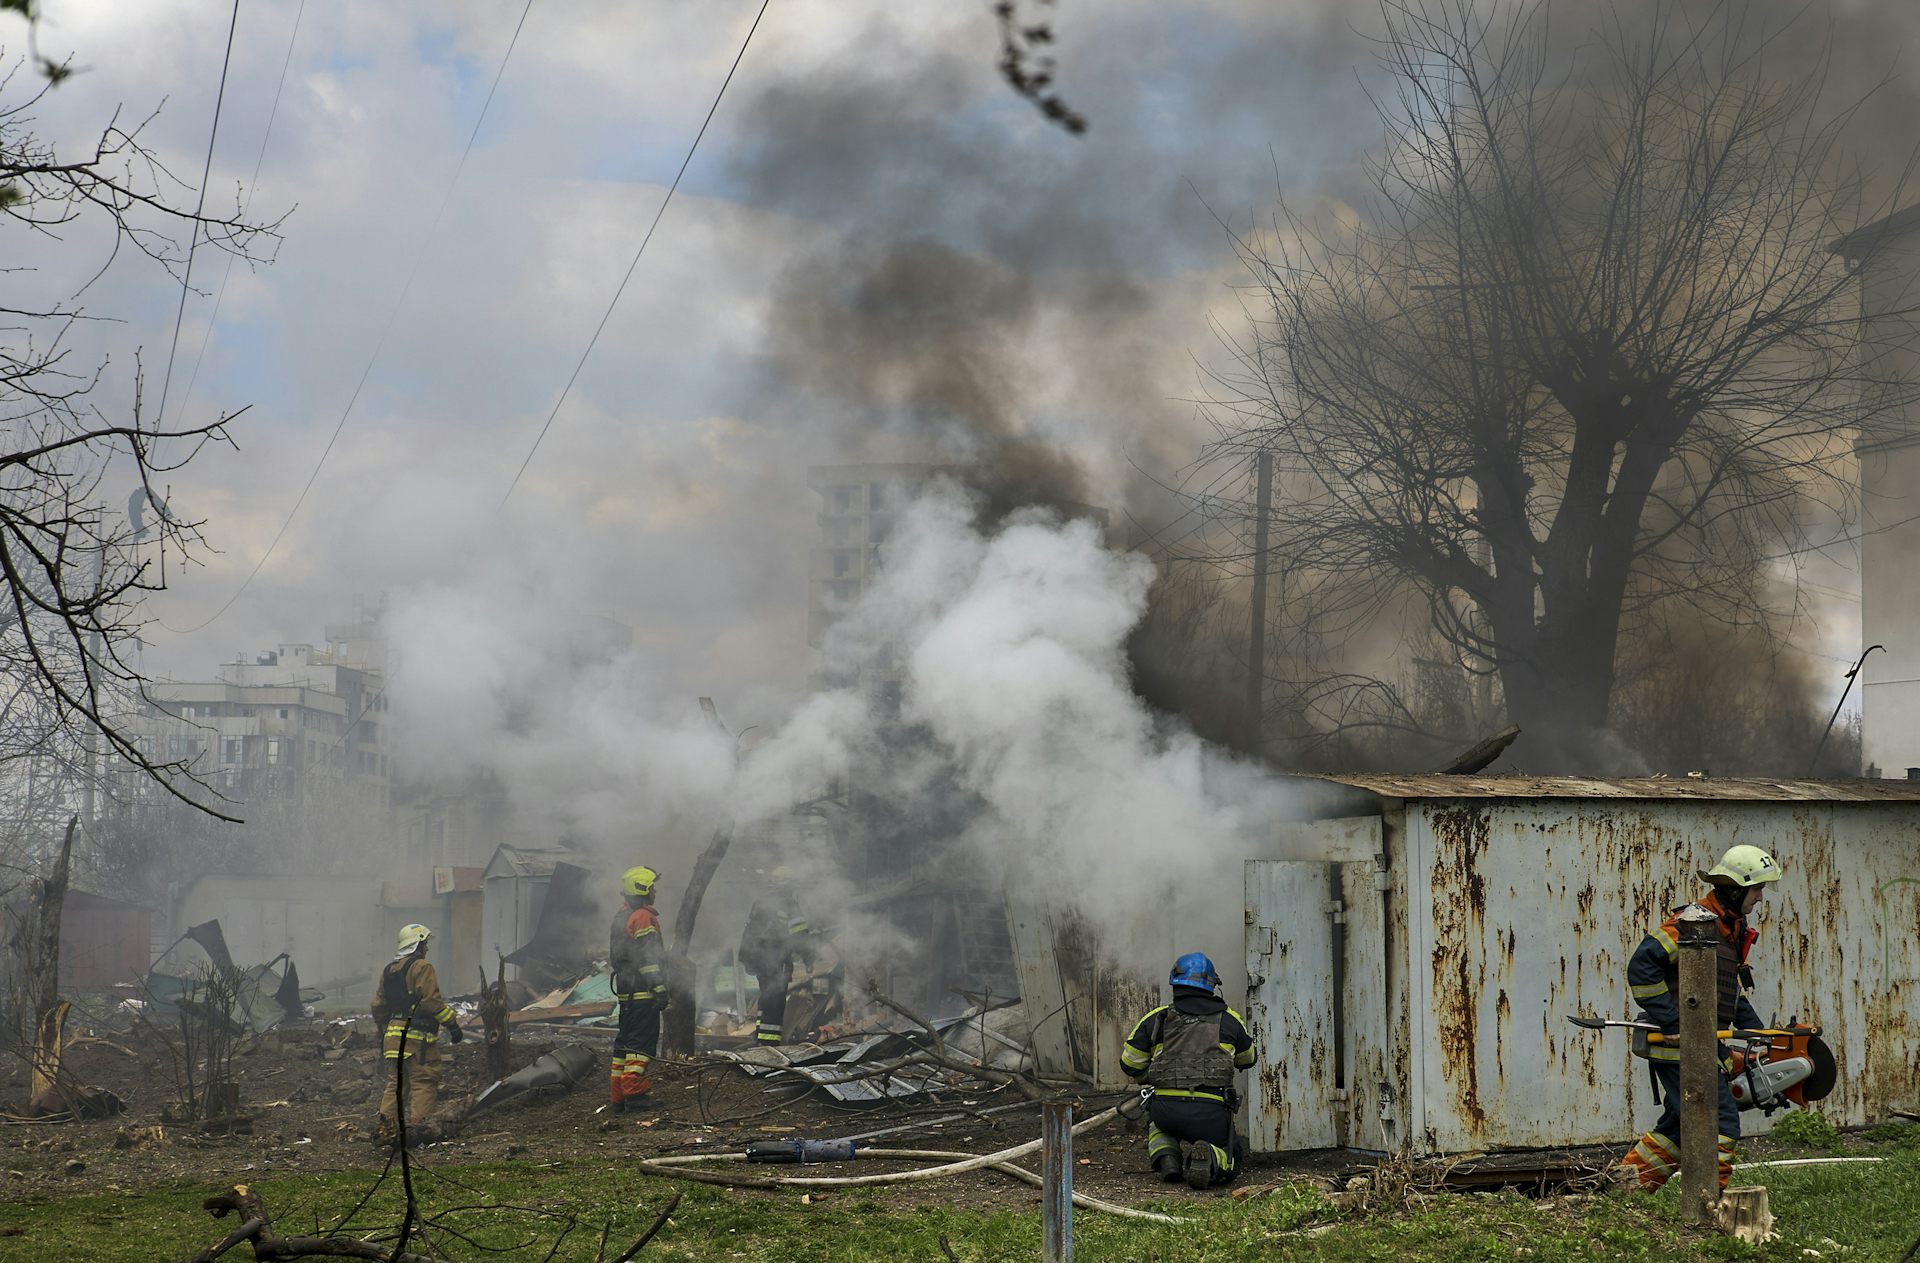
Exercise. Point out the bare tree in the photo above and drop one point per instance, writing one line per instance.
(74, 571)
(1585, 351)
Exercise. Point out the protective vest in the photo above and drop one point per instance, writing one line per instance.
(393, 989)
(1190, 1055)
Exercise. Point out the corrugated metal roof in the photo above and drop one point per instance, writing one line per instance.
(1723, 789)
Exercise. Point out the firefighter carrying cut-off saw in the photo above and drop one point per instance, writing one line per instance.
(1189, 1051)
(1739, 883)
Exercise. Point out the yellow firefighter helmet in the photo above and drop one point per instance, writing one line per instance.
(1744, 866)
(411, 936)
(638, 881)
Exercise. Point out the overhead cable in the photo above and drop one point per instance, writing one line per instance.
(199, 207)
(393, 314)
(622, 287)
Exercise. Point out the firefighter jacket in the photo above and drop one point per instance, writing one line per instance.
(636, 954)
(775, 932)
(406, 999)
(1654, 972)
(1190, 1048)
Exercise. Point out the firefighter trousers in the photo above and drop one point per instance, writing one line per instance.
(421, 1069)
(634, 1046)
(1174, 1121)
(1655, 1159)
(772, 977)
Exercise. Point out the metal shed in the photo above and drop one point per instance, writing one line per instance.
(513, 895)
(1410, 989)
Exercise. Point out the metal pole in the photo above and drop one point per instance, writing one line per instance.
(1257, 633)
(1813, 764)
(1699, 1064)
(1056, 1171)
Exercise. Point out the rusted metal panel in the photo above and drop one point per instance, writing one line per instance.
(1341, 840)
(1523, 911)
(1290, 1011)
(1645, 788)
(1369, 1116)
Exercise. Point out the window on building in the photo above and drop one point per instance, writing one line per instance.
(877, 496)
(843, 499)
(186, 712)
(273, 750)
(842, 563)
(232, 749)
(185, 749)
(282, 713)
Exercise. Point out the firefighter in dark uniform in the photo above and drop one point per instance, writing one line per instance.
(411, 1013)
(637, 957)
(1739, 882)
(1189, 1051)
(775, 935)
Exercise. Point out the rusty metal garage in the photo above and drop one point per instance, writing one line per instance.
(1410, 991)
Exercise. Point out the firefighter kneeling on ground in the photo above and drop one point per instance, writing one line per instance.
(1188, 1051)
(637, 958)
(407, 1004)
(1739, 882)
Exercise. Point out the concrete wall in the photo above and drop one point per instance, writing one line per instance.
(334, 927)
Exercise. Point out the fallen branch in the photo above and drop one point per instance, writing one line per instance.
(659, 1222)
(256, 1229)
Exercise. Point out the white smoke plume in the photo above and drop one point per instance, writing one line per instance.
(1012, 649)
(1015, 697)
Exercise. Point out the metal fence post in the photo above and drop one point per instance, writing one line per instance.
(1699, 1064)
(1056, 1167)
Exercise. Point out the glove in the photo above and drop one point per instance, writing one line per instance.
(454, 1033)
(660, 998)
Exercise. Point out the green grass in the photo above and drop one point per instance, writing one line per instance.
(1871, 1212)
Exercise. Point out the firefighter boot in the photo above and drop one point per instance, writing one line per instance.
(1168, 1167)
(1200, 1165)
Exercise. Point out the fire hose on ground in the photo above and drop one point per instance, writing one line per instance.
(679, 1167)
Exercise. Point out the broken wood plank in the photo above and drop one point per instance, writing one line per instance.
(561, 1013)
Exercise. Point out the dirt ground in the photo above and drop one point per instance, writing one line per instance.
(310, 1095)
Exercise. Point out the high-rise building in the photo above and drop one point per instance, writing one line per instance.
(1887, 255)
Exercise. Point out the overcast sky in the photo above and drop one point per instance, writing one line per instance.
(671, 491)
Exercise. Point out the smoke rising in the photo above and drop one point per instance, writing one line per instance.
(1012, 642)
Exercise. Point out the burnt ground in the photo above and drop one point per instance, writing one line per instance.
(309, 1097)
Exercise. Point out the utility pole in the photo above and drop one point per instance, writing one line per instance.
(1699, 1065)
(1257, 632)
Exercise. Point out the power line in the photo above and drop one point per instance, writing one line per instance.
(622, 288)
(273, 112)
(199, 207)
(393, 313)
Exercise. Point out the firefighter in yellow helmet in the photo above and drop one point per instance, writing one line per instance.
(1739, 882)
(408, 1006)
(637, 956)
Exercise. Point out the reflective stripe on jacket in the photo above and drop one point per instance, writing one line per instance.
(1654, 972)
(1148, 1040)
(407, 1000)
(636, 955)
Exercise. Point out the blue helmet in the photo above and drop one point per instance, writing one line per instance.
(1196, 971)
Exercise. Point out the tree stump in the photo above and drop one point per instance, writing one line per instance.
(1743, 1213)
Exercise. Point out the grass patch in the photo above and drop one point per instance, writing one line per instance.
(1853, 1212)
